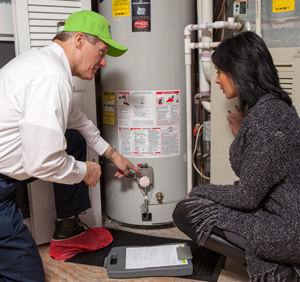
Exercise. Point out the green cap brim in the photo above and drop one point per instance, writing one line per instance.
(115, 49)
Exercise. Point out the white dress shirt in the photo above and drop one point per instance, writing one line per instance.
(35, 110)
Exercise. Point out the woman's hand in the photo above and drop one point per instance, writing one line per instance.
(235, 120)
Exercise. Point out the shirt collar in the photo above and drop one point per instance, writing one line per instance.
(62, 56)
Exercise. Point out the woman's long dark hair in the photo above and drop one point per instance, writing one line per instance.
(246, 58)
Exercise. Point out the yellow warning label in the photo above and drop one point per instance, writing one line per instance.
(120, 8)
(283, 5)
(108, 107)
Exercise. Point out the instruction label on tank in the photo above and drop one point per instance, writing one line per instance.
(283, 5)
(120, 8)
(108, 107)
(149, 123)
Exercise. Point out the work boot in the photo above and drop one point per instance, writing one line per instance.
(69, 228)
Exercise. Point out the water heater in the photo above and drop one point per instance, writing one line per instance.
(144, 109)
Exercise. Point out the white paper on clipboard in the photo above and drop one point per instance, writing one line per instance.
(156, 256)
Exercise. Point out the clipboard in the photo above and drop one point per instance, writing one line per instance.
(118, 267)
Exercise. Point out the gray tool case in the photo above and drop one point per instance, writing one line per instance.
(115, 264)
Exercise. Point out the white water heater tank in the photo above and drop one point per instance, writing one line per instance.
(144, 109)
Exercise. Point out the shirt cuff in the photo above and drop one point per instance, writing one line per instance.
(82, 171)
(101, 147)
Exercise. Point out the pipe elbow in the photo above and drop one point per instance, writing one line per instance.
(206, 105)
(188, 30)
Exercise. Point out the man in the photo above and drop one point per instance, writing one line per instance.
(43, 135)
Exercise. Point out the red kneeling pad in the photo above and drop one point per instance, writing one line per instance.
(89, 241)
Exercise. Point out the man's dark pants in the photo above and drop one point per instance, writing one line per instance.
(19, 257)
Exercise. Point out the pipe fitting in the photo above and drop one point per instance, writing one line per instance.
(206, 64)
(220, 24)
(206, 105)
(159, 196)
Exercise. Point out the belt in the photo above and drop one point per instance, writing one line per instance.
(7, 178)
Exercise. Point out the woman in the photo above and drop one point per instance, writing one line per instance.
(262, 209)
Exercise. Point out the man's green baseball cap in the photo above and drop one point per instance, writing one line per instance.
(93, 23)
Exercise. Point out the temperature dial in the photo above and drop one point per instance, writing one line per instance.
(144, 181)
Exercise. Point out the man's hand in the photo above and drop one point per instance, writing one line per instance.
(124, 165)
(93, 173)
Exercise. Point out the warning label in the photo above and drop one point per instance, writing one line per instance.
(149, 123)
(120, 8)
(239, 8)
(283, 5)
(108, 107)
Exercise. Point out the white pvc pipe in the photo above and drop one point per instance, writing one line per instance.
(223, 24)
(216, 25)
(258, 17)
(207, 17)
(207, 38)
(199, 20)
(205, 66)
(188, 75)
(204, 45)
